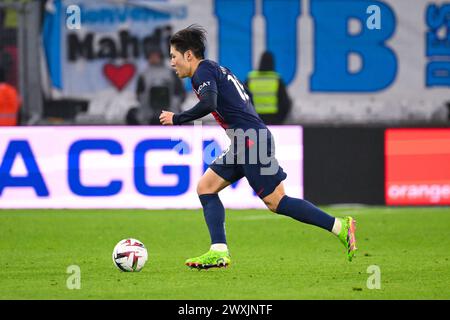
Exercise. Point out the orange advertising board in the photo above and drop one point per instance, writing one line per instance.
(417, 166)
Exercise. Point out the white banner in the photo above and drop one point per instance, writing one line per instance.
(126, 167)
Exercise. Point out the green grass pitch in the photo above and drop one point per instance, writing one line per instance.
(273, 257)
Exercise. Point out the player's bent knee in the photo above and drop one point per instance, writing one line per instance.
(211, 183)
(273, 200)
(204, 187)
(272, 205)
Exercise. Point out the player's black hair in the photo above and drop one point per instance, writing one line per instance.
(191, 38)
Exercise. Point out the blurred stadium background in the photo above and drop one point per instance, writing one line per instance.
(369, 83)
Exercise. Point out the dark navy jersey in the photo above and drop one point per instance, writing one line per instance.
(234, 107)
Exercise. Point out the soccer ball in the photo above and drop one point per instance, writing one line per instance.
(129, 255)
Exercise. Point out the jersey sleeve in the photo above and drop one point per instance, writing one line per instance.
(206, 105)
(205, 79)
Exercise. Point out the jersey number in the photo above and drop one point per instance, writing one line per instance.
(239, 87)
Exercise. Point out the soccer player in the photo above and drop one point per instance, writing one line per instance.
(223, 95)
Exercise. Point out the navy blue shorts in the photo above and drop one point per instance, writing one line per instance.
(264, 174)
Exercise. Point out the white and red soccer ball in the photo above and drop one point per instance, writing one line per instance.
(129, 255)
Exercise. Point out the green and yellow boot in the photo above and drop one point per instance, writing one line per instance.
(211, 259)
(347, 236)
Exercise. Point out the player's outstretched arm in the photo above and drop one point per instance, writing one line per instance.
(206, 105)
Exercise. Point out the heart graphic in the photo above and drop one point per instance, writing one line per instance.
(119, 75)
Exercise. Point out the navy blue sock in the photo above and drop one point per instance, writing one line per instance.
(214, 213)
(306, 212)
